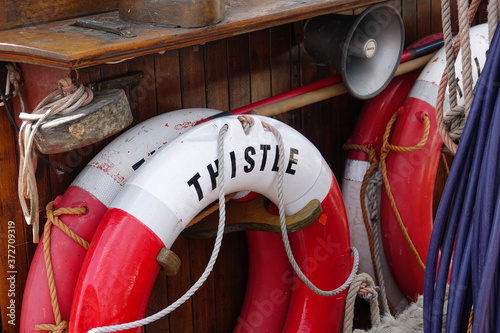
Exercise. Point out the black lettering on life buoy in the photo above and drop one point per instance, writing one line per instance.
(232, 155)
(213, 173)
(264, 149)
(276, 158)
(292, 160)
(251, 163)
(194, 182)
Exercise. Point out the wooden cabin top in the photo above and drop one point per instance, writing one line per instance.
(63, 45)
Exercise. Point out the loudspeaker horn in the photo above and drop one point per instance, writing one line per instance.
(365, 49)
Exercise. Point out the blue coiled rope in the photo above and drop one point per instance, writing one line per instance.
(467, 224)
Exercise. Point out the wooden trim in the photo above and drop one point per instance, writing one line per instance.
(63, 45)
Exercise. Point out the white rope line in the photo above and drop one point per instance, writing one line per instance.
(281, 206)
(211, 263)
(58, 102)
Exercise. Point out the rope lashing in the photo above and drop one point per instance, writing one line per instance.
(369, 189)
(14, 78)
(284, 233)
(455, 121)
(53, 219)
(64, 100)
(372, 158)
(386, 148)
(361, 286)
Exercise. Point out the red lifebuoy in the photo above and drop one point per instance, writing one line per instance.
(368, 133)
(94, 188)
(412, 175)
(120, 267)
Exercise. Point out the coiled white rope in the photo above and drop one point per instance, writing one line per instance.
(63, 101)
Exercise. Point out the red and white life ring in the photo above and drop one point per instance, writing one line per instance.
(368, 132)
(120, 267)
(95, 188)
(412, 174)
(265, 305)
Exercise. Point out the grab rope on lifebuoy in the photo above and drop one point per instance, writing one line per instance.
(155, 214)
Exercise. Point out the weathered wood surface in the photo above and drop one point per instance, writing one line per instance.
(17, 13)
(61, 44)
(180, 14)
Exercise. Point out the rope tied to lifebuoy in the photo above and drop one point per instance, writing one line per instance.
(66, 99)
(362, 286)
(211, 262)
(53, 219)
(370, 216)
(247, 122)
(386, 148)
(284, 233)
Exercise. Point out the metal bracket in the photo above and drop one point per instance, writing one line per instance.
(113, 28)
(122, 82)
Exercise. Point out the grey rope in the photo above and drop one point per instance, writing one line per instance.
(373, 211)
(463, 11)
(450, 54)
(359, 288)
(281, 206)
(211, 263)
(492, 17)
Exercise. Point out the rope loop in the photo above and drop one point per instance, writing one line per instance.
(246, 122)
(53, 219)
(61, 101)
(360, 286)
(284, 232)
(386, 148)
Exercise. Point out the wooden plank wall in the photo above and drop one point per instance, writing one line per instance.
(224, 75)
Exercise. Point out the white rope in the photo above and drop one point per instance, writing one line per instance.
(211, 263)
(58, 102)
(281, 206)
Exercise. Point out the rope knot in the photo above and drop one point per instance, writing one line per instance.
(368, 293)
(14, 73)
(247, 122)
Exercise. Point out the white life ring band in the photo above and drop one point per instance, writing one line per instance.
(170, 189)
